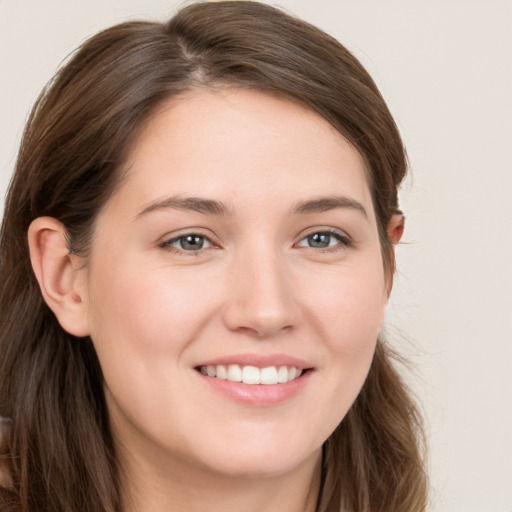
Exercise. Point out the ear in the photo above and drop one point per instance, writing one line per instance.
(61, 275)
(396, 228)
(395, 231)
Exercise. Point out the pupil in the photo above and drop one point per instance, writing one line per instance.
(192, 242)
(319, 240)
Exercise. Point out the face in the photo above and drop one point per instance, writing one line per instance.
(235, 286)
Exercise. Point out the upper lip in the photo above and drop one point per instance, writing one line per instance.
(258, 360)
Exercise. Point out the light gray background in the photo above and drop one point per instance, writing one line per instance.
(444, 67)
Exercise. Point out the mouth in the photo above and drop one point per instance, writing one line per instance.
(252, 375)
(256, 380)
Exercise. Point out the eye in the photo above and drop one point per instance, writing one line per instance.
(189, 243)
(324, 240)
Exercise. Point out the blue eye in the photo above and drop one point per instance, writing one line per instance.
(188, 243)
(323, 240)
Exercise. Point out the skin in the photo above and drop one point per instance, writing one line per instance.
(258, 286)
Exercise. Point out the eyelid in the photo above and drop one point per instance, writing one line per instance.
(344, 239)
(166, 241)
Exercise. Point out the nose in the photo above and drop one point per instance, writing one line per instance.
(261, 302)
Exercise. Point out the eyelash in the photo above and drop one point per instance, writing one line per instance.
(343, 242)
(167, 244)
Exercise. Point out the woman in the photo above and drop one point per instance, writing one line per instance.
(211, 213)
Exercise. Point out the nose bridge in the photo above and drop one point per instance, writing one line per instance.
(261, 298)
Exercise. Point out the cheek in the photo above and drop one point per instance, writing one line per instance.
(345, 313)
(349, 320)
(350, 310)
(141, 325)
(141, 310)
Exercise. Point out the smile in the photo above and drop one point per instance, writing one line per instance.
(252, 374)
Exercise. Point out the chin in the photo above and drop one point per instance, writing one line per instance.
(258, 463)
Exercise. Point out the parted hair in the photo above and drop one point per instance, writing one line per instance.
(58, 448)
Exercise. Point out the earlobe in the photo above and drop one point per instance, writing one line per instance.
(61, 280)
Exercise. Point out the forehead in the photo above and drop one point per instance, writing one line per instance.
(232, 144)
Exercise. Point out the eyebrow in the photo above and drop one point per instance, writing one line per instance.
(218, 208)
(191, 204)
(324, 204)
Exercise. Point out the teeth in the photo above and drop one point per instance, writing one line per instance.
(269, 375)
(282, 374)
(234, 373)
(252, 374)
(221, 372)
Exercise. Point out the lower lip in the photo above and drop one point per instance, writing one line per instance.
(258, 395)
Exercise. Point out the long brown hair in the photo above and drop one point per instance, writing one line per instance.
(59, 452)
